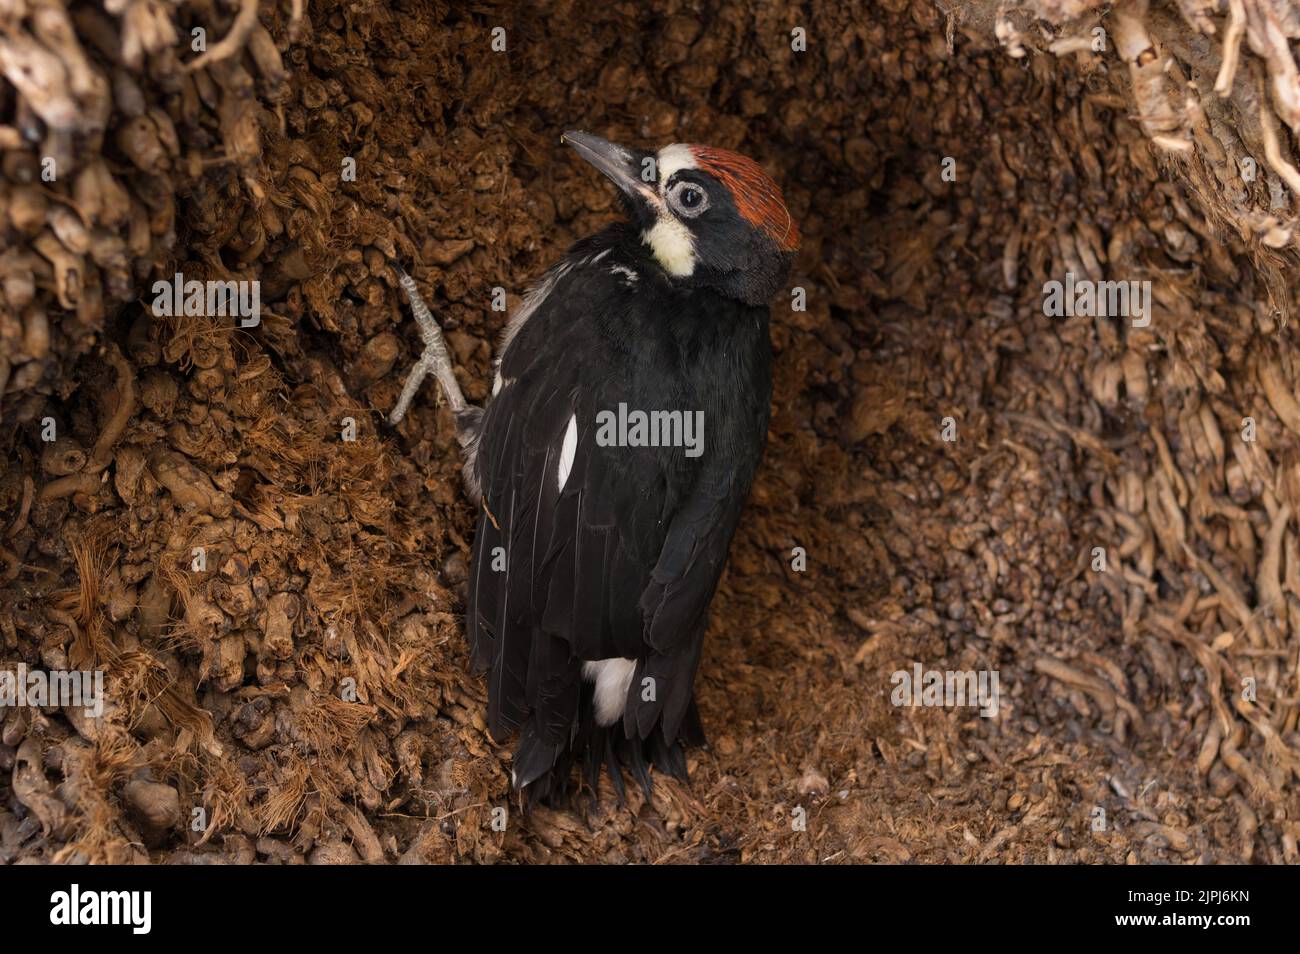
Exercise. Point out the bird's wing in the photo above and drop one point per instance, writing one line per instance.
(676, 598)
(558, 566)
(620, 558)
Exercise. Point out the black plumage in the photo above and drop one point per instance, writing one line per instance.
(624, 560)
(586, 552)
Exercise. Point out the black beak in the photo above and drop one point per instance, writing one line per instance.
(624, 167)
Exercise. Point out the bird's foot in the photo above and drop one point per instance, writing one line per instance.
(435, 359)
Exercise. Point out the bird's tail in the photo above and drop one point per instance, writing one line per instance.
(546, 773)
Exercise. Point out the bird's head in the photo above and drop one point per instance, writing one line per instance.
(709, 216)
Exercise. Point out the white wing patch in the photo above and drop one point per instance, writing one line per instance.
(612, 677)
(567, 451)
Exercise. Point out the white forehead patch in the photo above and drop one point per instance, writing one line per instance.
(670, 240)
(673, 159)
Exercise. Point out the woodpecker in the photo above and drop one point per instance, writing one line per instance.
(628, 415)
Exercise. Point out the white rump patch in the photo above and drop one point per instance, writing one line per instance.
(567, 451)
(612, 678)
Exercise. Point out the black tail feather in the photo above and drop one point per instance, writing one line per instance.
(546, 772)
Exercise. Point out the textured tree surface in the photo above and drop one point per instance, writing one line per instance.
(277, 610)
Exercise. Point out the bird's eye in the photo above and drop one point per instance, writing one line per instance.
(689, 199)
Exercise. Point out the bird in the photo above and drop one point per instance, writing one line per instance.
(628, 415)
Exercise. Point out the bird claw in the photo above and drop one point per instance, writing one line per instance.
(414, 379)
(434, 360)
